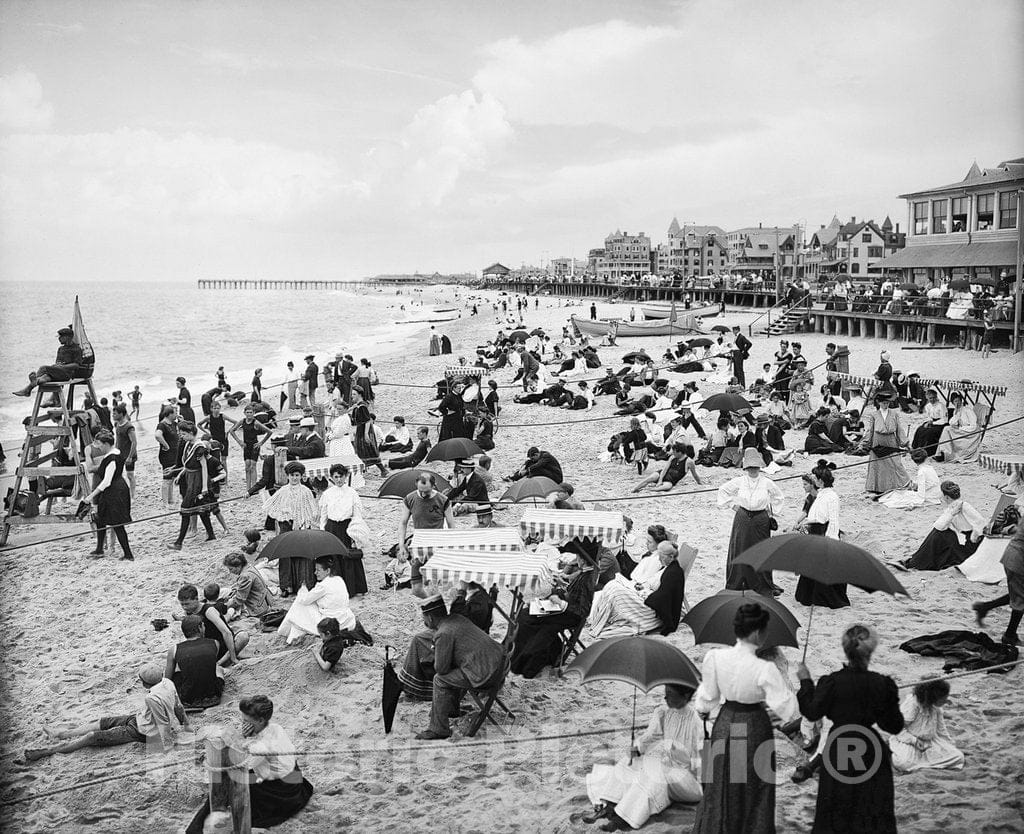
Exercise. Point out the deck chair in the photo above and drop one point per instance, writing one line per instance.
(485, 699)
(571, 642)
(984, 564)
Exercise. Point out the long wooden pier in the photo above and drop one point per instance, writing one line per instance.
(258, 284)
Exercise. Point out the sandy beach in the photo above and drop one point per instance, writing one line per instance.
(75, 632)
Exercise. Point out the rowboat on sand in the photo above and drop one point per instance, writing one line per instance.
(683, 326)
(663, 309)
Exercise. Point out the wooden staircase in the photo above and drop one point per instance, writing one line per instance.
(786, 323)
(31, 465)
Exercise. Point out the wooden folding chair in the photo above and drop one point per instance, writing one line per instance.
(571, 642)
(485, 699)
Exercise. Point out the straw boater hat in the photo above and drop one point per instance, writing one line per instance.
(307, 423)
(752, 459)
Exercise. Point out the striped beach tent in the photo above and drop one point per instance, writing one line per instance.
(570, 524)
(457, 371)
(487, 539)
(519, 570)
(321, 467)
(1010, 465)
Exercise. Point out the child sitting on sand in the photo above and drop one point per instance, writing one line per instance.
(332, 645)
(397, 572)
(924, 741)
(662, 768)
(211, 594)
(160, 719)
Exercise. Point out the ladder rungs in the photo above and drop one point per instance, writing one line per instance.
(46, 471)
(50, 431)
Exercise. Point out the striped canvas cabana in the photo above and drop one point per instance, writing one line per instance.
(321, 467)
(972, 390)
(458, 371)
(488, 539)
(519, 570)
(572, 524)
(1009, 465)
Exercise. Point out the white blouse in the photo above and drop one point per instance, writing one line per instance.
(271, 752)
(757, 494)
(825, 509)
(338, 503)
(936, 412)
(928, 485)
(737, 674)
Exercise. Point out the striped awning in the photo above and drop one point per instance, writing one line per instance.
(573, 524)
(321, 467)
(943, 384)
(521, 570)
(455, 371)
(492, 539)
(1009, 465)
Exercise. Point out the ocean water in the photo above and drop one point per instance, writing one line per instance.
(147, 334)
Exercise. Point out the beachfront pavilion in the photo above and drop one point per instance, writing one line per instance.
(965, 230)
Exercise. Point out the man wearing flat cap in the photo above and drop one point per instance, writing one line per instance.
(464, 658)
(310, 376)
(306, 442)
(65, 367)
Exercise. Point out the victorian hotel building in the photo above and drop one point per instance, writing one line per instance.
(968, 229)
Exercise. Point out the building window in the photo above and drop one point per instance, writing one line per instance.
(856, 251)
(959, 205)
(938, 217)
(874, 251)
(986, 203)
(1007, 210)
(866, 237)
(920, 218)
(855, 268)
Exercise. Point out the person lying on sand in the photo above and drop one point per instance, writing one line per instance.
(161, 718)
(675, 469)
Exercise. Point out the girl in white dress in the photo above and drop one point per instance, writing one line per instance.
(926, 490)
(329, 598)
(924, 741)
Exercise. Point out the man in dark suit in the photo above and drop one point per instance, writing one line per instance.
(464, 658)
(311, 376)
(306, 443)
(740, 350)
(530, 366)
(539, 464)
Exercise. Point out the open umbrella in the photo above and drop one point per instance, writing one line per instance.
(455, 448)
(518, 336)
(712, 618)
(720, 328)
(537, 331)
(700, 342)
(527, 488)
(644, 662)
(910, 287)
(303, 544)
(825, 560)
(403, 482)
(726, 402)
(960, 284)
(634, 355)
(391, 690)
(984, 280)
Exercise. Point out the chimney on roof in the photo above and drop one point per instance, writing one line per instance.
(853, 219)
(823, 225)
(897, 228)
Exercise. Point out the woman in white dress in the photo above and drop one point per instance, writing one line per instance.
(926, 489)
(339, 445)
(924, 741)
(329, 598)
(960, 441)
(663, 767)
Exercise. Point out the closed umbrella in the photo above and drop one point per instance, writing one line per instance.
(726, 402)
(455, 448)
(391, 690)
(402, 483)
(303, 544)
(712, 619)
(644, 662)
(527, 488)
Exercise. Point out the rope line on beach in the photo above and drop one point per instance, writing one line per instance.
(498, 502)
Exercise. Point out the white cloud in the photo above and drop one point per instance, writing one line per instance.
(130, 177)
(22, 107)
(444, 140)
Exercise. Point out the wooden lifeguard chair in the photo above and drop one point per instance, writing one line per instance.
(54, 416)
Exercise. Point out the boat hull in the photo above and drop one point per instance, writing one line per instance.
(663, 311)
(625, 329)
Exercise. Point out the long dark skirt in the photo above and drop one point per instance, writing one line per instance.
(809, 592)
(537, 641)
(114, 504)
(417, 673)
(452, 425)
(941, 549)
(294, 573)
(348, 566)
(747, 530)
(849, 805)
(271, 802)
(927, 438)
(740, 801)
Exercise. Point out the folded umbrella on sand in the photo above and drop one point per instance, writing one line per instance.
(726, 402)
(303, 544)
(712, 619)
(528, 488)
(391, 690)
(455, 448)
(403, 482)
(644, 662)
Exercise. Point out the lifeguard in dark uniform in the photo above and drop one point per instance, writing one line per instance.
(67, 365)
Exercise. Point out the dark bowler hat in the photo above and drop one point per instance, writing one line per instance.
(65, 331)
(434, 605)
(310, 358)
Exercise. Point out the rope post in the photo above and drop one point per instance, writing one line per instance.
(229, 780)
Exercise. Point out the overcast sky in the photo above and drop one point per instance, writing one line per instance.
(172, 141)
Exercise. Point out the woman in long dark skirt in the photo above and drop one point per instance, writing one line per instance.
(364, 439)
(111, 495)
(954, 537)
(739, 774)
(855, 792)
(822, 520)
(755, 499)
(339, 504)
(277, 789)
(453, 414)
